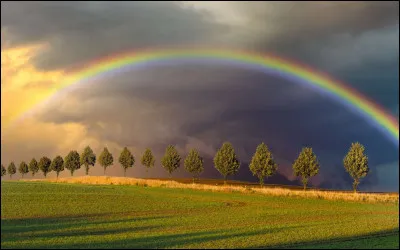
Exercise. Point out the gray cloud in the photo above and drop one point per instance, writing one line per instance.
(77, 32)
(347, 32)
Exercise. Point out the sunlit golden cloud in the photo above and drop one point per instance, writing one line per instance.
(22, 85)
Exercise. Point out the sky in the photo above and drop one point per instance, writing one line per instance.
(200, 105)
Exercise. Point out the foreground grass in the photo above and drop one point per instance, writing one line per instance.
(59, 215)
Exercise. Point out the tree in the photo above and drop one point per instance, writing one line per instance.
(226, 161)
(72, 162)
(23, 168)
(57, 165)
(194, 163)
(88, 158)
(11, 169)
(356, 163)
(126, 159)
(306, 165)
(106, 159)
(44, 165)
(3, 170)
(171, 159)
(263, 164)
(148, 159)
(33, 167)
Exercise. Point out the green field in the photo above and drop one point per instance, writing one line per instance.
(50, 215)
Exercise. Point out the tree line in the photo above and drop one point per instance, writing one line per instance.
(262, 164)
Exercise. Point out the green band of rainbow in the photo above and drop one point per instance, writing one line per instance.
(316, 79)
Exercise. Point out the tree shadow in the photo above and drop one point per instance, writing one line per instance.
(166, 241)
(14, 226)
(333, 241)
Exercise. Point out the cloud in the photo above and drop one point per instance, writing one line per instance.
(79, 32)
(308, 31)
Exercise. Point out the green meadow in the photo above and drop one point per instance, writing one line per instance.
(58, 215)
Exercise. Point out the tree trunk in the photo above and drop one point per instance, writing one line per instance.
(305, 181)
(355, 184)
(261, 181)
(87, 169)
(72, 173)
(124, 172)
(104, 171)
(10, 176)
(225, 179)
(45, 175)
(57, 175)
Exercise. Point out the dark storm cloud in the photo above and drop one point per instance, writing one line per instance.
(142, 110)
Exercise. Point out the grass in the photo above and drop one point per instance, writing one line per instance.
(63, 215)
(234, 187)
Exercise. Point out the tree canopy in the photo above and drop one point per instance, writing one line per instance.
(23, 168)
(106, 159)
(148, 159)
(57, 165)
(194, 163)
(72, 161)
(356, 163)
(11, 169)
(263, 164)
(33, 166)
(44, 165)
(126, 159)
(226, 161)
(171, 159)
(87, 158)
(306, 165)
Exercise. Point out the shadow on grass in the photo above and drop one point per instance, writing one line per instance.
(68, 233)
(341, 242)
(14, 226)
(158, 241)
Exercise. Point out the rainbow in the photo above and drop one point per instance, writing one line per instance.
(270, 64)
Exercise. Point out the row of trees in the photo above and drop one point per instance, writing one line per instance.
(226, 162)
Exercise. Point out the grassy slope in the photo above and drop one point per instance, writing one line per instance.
(48, 215)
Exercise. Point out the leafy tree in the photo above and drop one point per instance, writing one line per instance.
(57, 165)
(87, 158)
(171, 159)
(72, 162)
(226, 161)
(11, 169)
(148, 159)
(194, 163)
(263, 164)
(306, 165)
(33, 167)
(3, 170)
(23, 168)
(106, 159)
(44, 165)
(126, 159)
(356, 163)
